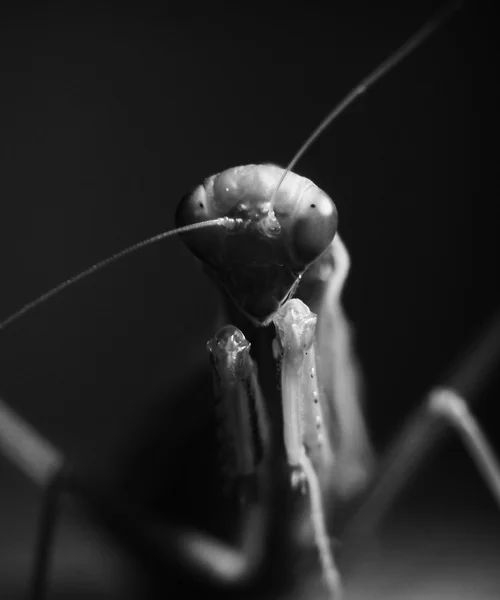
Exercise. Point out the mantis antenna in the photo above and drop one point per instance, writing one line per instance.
(227, 222)
(416, 40)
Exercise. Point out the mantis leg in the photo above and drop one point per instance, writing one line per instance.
(339, 372)
(250, 462)
(46, 533)
(308, 450)
(232, 569)
(443, 408)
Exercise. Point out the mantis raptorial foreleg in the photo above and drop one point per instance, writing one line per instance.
(244, 420)
(339, 372)
(303, 418)
(243, 424)
(307, 444)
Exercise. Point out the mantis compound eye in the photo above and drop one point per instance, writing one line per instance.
(314, 224)
(194, 207)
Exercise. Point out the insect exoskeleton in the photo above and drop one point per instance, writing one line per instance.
(258, 264)
(242, 421)
(304, 423)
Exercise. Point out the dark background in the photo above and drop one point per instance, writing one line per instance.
(109, 115)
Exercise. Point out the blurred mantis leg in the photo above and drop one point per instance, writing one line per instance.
(321, 537)
(339, 373)
(26, 448)
(43, 464)
(449, 406)
(46, 533)
(443, 407)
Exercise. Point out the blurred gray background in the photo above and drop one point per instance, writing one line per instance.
(109, 114)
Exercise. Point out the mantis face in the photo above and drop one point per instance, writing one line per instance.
(259, 264)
